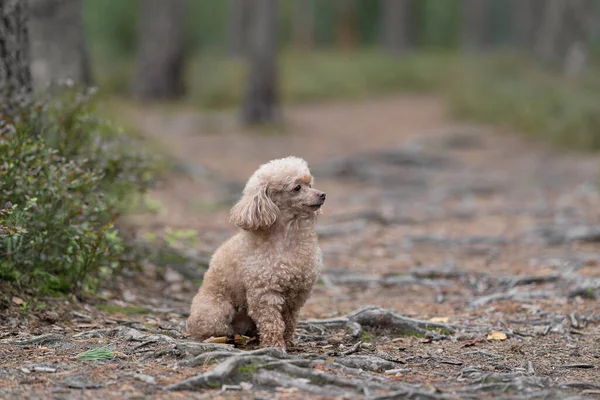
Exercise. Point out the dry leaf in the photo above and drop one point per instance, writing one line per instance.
(17, 300)
(220, 339)
(441, 320)
(243, 340)
(497, 335)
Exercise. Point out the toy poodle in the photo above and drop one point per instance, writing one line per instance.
(261, 277)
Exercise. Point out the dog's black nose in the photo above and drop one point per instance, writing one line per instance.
(322, 196)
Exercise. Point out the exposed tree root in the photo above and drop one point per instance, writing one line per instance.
(366, 363)
(38, 340)
(187, 350)
(512, 295)
(377, 317)
(220, 355)
(387, 281)
(349, 371)
(528, 280)
(440, 272)
(270, 367)
(410, 394)
(221, 374)
(280, 379)
(343, 322)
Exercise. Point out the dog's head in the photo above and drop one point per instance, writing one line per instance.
(279, 189)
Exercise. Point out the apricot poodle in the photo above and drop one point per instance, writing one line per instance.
(262, 276)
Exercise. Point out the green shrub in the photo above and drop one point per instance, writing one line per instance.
(67, 173)
(509, 91)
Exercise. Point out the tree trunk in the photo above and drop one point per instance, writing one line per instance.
(58, 50)
(15, 75)
(526, 22)
(565, 34)
(303, 24)
(475, 22)
(395, 16)
(546, 47)
(161, 50)
(346, 24)
(261, 104)
(240, 12)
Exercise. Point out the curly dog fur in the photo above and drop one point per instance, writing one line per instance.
(262, 276)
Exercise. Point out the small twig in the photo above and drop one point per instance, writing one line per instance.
(573, 320)
(527, 280)
(143, 344)
(353, 349)
(530, 369)
(583, 366)
(483, 352)
(38, 340)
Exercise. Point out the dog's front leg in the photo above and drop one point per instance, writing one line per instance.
(265, 308)
(290, 318)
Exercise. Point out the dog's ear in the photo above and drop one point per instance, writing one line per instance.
(255, 210)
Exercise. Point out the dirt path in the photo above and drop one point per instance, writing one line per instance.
(489, 242)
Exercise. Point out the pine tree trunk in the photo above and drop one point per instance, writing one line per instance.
(303, 24)
(346, 24)
(58, 49)
(526, 22)
(395, 16)
(475, 21)
(261, 103)
(565, 34)
(546, 47)
(240, 12)
(161, 50)
(15, 75)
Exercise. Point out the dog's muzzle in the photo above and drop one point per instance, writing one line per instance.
(320, 202)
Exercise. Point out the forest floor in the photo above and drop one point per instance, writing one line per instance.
(459, 262)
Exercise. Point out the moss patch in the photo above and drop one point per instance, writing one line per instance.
(408, 333)
(366, 337)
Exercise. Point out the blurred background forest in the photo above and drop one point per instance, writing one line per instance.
(515, 54)
(530, 65)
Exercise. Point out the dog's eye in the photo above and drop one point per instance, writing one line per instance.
(297, 188)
